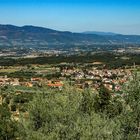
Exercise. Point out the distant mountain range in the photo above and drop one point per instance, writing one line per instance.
(32, 36)
(100, 33)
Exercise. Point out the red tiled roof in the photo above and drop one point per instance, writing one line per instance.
(55, 85)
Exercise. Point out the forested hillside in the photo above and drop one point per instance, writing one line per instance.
(32, 36)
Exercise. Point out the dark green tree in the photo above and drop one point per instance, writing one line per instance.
(103, 99)
(130, 117)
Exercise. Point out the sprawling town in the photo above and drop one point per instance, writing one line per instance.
(93, 78)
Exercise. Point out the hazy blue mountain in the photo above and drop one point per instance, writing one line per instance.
(100, 33)
(32, 36)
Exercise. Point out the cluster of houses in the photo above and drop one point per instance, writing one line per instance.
(111, 79)
(4, 80)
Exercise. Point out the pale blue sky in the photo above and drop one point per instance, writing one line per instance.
(121, 16)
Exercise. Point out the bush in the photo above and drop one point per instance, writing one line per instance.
(67, 115)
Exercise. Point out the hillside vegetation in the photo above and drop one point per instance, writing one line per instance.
(71, 114)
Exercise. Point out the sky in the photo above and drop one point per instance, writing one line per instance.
(120, 16)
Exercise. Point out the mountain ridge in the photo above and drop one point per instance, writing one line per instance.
(101, 33)
(35, 36)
